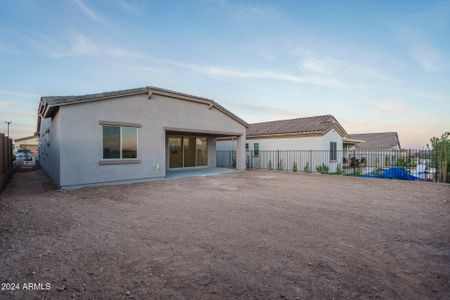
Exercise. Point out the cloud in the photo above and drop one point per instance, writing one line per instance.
(272, 110)
(4, 104)
(88, 11)
(390, 107)
(419, 33)
(80, 45)
(337, 68)
(426, 55)
(216, 71)
(128, 7)
(17, 93)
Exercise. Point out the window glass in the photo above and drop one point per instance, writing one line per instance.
(175, 152)
(246, 146)
(202, 151)
(111, 142)
(333, 151)
(129, 142)
(256, 149)
(189, 151)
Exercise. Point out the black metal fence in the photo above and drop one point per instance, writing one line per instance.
(410, 164)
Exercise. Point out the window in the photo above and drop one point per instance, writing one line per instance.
(246, 146)
(119, 142)
(333, 151)
(256, 149)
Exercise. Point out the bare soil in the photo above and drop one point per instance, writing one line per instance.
(256, 234)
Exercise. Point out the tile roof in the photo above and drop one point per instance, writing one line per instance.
(378, 140)
(317, 124)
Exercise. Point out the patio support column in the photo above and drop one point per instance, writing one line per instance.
(240, 152)
(212, 152)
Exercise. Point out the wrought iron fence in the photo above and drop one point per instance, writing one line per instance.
(408, 164)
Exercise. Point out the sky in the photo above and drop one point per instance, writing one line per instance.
(375, 65)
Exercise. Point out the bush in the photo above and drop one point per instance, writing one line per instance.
(269, 165)
(306, 168)
(294, 167)
(339, 169)
(401, 162)
(322, 169)
(363, 161)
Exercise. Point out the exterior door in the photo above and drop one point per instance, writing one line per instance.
(175, 152)
(187, 151)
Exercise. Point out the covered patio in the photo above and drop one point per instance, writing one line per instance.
(192, 152)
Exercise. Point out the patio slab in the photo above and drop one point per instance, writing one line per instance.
(178, 174)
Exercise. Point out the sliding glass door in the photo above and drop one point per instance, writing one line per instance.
(187, 151)
(175, 152)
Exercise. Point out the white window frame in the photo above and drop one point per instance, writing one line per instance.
(120, 143)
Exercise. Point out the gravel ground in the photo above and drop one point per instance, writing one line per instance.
(256, 234)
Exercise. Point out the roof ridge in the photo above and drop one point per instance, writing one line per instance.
(374, 132)
(292, 119)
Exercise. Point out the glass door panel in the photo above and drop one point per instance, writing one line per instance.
(189, 151)
(175, 152)
(202, 151)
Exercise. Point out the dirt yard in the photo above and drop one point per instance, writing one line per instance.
(256, 234)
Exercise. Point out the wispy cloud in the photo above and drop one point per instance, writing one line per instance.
(270, 110)
(420, 32)
(217, 71)
(421, 48)
(17, 93)
(88, 11)
(337, 68)
(78, 45)
(126, 6)
(390, 107)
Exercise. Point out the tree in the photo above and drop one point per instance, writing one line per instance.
(441, 147)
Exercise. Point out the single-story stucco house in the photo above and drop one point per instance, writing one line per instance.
(322, 135)
(131, 135)
(377, 140)
(28, 143)
(377, 149)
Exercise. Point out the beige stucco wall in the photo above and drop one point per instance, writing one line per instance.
(81, 136)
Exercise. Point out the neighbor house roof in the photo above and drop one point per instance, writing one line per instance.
(31, 137)
(298, 126)
(378, 140)
(49, 105)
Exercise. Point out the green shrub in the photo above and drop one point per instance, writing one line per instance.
(294, 167)
(339, 169)
(306, 168)
(269, 165)
(401, 162)
(322, 169)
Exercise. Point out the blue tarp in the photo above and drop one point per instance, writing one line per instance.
(393, 173)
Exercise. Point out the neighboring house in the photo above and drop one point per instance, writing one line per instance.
(376, 141)
(378, 150)
(28, 143)
(131, 135)
(320, 138)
